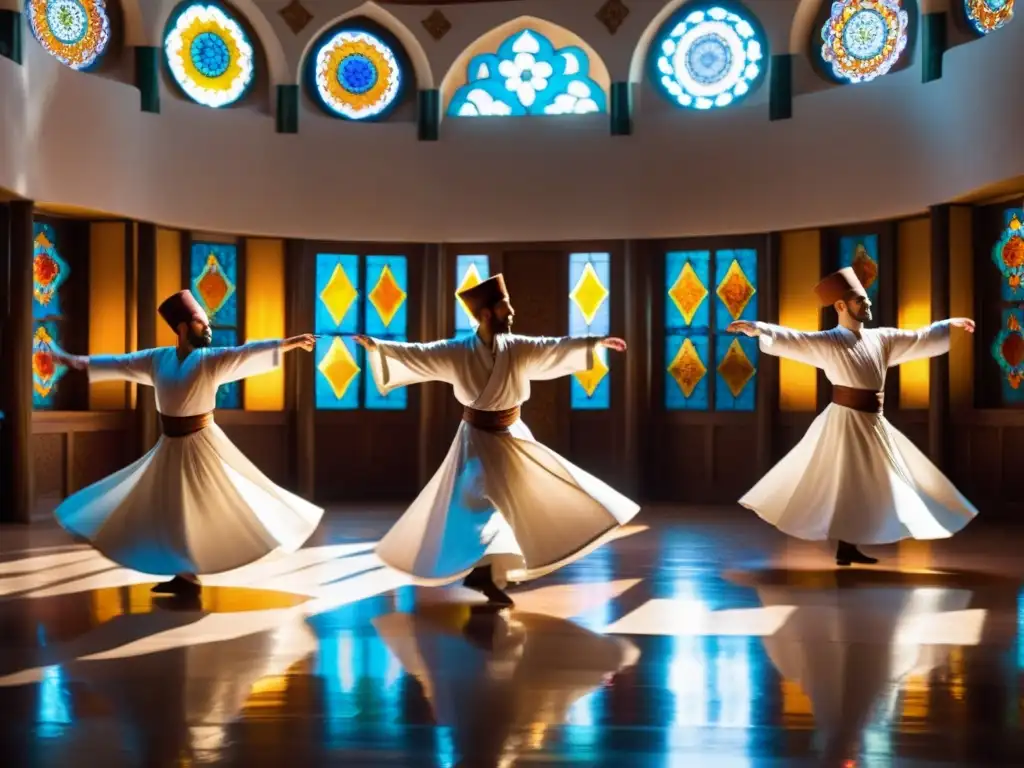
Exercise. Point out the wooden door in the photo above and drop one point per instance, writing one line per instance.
(537, 281)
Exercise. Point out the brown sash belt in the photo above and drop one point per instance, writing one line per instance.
(183, 426)
(490, 421)
(863, 400)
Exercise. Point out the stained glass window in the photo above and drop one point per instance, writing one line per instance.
(527, 75)
(863, 39)
(213, 274)
(209, 54)
(861, 253)
(1008, 345)
(386, 318)
(694, 330)
(590, 315)
(709, 56)
(75, 32)
(49, 274)
(469, 271)
(341, 312)
(357, 74)
(988, 15)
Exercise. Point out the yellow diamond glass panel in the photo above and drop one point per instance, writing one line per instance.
(736, 369)
(387, 296)
(339, 368)
(688, 292)
(687, 368)
(338, 295)
(735, 290)
(589, 293)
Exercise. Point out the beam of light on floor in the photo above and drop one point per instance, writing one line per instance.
(686, 618)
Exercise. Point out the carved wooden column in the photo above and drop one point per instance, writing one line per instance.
(16, 495)
(435, 312)
(768, 387)
(146, 303)
(938, 389)
(300, 370)
(637, 305)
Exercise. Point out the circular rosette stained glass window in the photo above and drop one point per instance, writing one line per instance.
(988, 15)
(357, 74)
(209, 55)
(709, 57)
(863, 39)
(75, 32)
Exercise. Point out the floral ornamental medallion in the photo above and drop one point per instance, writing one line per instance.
(209, 55)
(988, 15)
(863, 39)
(75, 32)
(1008, 255)
(357, 75)
(1008, 349)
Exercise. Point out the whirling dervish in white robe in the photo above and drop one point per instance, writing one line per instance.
(854, 477)
(501, 502)
(194, 504)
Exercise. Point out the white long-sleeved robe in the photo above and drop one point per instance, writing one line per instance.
(499, 497)
(192, 504)
(853, 476)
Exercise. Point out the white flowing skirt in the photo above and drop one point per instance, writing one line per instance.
(854, 477)
(502, 498)
(192, 504)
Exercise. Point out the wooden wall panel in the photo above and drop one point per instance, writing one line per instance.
(98, 454)
(358, 461)
(48, 469)
(266, 446)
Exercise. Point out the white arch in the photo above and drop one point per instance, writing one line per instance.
(643, 45)
(490, 40)
(411, 44)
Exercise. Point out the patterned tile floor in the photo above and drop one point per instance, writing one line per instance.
(699, 638)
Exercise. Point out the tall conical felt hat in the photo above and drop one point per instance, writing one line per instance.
(485, 294)
(181, 307)
(839, 286)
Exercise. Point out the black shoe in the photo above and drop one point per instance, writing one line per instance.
(848, 554)
(480, 580)
(179, 587)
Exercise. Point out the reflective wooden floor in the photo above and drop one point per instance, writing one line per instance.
(700, 638)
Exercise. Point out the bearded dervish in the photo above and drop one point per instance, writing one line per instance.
(502, 507)
(854, 478)
(194, 504)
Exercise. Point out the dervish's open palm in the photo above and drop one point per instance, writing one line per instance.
(613, 343)
(962, 322)
(365, 342)
(743, 326)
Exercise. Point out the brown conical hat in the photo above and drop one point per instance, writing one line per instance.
(485, 294)
(839, 286)
(181, 307)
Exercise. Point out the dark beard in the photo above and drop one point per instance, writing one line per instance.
(501, 325)
(198, 341)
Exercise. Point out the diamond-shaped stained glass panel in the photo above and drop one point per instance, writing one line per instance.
(861, 253)
(387, 317)
(736, 360)
(687, 277)
(469, 271)
(686, 374)
(735, 287)
(338, 298)
(339, 363)
(590, 315)
(214, 281)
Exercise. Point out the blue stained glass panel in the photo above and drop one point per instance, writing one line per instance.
(687, 291)
(725, 399)
(337, 291)
(213, 268)
(746, 260)
(49, 274)
(675, 398)
(600, 323)
(326, 398)
(861, 253)
(228, 395)
(1008, 351)
(464, 323)
(387, 317)
(1011, 238)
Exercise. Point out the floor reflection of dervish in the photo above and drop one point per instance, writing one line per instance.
(497, 680)
(850, 648)
(169, 707)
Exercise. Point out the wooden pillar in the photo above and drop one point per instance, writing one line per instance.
(434, 315)
(637, 304)
(300, 370)
(768, 387)
(145, 323)
(16, 363)
(938, 388)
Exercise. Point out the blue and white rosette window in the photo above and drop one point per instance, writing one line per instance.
(527, 75)
(709, 57)
(209, 55)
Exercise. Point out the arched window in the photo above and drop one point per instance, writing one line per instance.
(1008, 345)
(863, 39)
(209, 54)
(49, 274)
(213, 278)
(707, 56)
(709, 369)
(987, 16)
(75, 32)
(341, 312)
(357, 71)
(528, 75)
